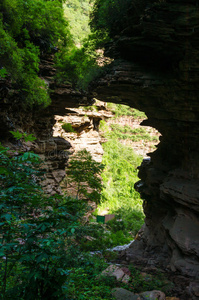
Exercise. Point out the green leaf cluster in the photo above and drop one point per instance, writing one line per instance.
(84, 172)
(77, 12)
(119, 177)
(41, 236)
(110, 15)
(79, 66)
(120, 110)
(29, 28)
(114, 16)
(68, 127)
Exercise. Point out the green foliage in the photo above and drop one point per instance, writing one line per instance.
(127, 132)
(119, 177)
(110, 15)
(38, 234)
(142, 283)
(114, 16)
(89, 108)
(85, 282)
(124, 110)
(32, 261)
(27, 29)
(120, 173)
(85, 172)
(27, 137)
(77, 12)
(128, 220)
(78, 65)
(3, 73)
(68, 127)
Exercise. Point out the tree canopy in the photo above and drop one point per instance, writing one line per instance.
(29, 28)
(113, 16)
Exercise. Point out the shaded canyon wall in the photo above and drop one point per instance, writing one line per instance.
(156, 70)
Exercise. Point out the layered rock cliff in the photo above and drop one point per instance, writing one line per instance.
(39, 122)
(156, 70)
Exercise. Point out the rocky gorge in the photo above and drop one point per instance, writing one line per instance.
(155, 70)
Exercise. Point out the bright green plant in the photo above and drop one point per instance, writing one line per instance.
(78, 65)
(35, 231)
(85, 172)
(77, 13)
(40, 251)
(21, 135)
(120, 110)
(68, 127)
(27, 30)
(119, 177)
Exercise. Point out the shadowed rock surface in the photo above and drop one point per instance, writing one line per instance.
(156, 70)
(39, 122)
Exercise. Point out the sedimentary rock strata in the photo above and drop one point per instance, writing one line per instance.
(157, 71)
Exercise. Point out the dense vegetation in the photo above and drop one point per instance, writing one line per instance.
(28, 29)
(114, 16)
(41, 237)
(77, 13)
(45, 241)
(79, 63)
(119, 177)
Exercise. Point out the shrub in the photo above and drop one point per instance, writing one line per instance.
(113, 16)
(120, 110)
(27, 30)
(151, 282)
(78, 65)
(68, 127)
(85, 173)
(38, 233)
(119, 177)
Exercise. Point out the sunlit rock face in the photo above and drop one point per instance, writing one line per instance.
(84, 133)
(156, 70)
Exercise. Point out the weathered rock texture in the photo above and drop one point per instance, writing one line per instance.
(84, 135)
(39, 122)
(85, 124)
(157, 71)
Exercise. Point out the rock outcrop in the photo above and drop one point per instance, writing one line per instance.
(39, 122)
(85, 128)
(156, 70)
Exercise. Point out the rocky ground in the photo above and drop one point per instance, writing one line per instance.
(138, 283)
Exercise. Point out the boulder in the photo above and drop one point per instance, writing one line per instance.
(122, 294)
(153, 295)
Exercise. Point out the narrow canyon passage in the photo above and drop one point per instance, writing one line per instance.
(154, 68)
